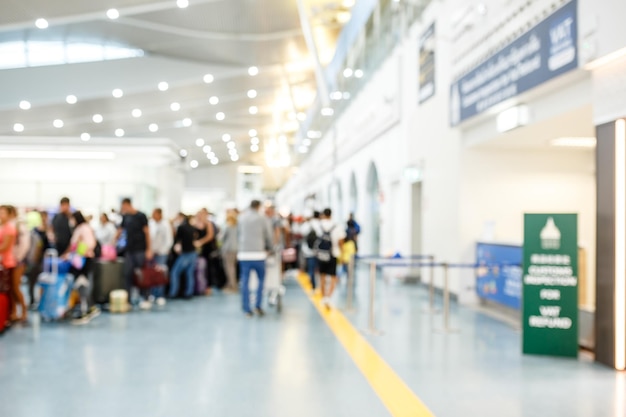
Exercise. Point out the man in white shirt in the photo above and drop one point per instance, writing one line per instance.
(328, 248)
(162, 241)
(310, 231)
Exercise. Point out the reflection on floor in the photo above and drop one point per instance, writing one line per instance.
(204, 357)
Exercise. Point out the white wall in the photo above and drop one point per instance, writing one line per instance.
(499, 186)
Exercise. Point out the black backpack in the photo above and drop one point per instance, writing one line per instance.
(311, 238)
(324, 246)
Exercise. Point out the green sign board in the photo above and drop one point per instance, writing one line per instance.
(550, 295)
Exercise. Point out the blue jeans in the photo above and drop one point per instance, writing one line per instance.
(311, 266)
(246, 267)
(158, 292)
(186, 263)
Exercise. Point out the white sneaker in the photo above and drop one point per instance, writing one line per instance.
(145, 305)
(161, 301)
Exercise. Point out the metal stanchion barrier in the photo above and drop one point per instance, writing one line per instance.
(371, 328)
(446, 303)
(431, 288)
(350, 287)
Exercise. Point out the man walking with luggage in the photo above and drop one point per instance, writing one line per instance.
(255, 241)
(138, 248)
(328, 248)
(162, 240)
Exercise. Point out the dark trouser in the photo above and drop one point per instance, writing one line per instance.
(83, 290)
(209, 272)
(132, 261)
(246, 268)
(33, 276)
(311, 266)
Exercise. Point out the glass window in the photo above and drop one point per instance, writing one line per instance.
(45, 53)
(12, 55)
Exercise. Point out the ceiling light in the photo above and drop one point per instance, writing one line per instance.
(208, 78)
(119, 132)
(85, 137)
(41, 23)
(347, 3)
(348, 72)
(18, 127)
(314, 134)
(327, 111)
(253, 110)
(574, 142)
(343, 17)
(234, 158)
(254, 141)
(301, 116)
(97, 118)
(210, 155)
(25, 105)
(113, 14)
(358, 73)
(232, 152)
(252, 71)
(163, 86)
(254, 148)
(215, 161)
(118, 93)
(183, 153)
(303, 149)
(226, 137)
(58, 123)
(214, 100)
(182, 4)
(252, 132)
(71, 99)
(252, 93)
(136, 113)
(199, 142)
(220, 116)
(336, 95)
(187, 122)
(206, 149)
(153, 127)
(193, 164)
(231, 145)
(175, 106)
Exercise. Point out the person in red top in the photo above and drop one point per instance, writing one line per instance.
(8, 235)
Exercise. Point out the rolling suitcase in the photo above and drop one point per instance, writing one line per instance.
(107, 277)
(56, 285)
(5, 301)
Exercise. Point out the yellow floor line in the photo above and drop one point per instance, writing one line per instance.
(393, 392)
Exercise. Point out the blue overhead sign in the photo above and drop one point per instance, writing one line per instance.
(546, 51)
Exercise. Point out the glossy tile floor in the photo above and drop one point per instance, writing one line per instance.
(203, 358)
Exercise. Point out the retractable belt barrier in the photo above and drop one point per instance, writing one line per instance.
(376, 263)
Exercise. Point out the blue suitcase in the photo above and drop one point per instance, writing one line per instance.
(56, 284)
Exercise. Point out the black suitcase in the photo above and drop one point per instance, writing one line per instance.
(107, 276)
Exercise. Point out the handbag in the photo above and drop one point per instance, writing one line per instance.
(151, 275)
(289, 255)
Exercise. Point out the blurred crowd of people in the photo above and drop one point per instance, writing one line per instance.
(199, 255)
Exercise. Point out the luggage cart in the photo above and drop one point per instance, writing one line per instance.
(274, 288)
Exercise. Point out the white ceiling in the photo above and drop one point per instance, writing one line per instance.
(220, 37)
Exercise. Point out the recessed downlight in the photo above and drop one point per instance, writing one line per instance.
(117, 93)
(254, 148)
(208, 78)
(187, 122)
(153, 127)
(253, 110)
(85, 137)
(119, 133)
(254, 141)
(41, 23)
(71, 99)
(137, 113)
(206, 149)
(58, 123)
(252, 133)
(253, 71)
(199, 142)
(163, 86)
(175, 106)
(214, 100)
(194, 164)
(220, 116)
(183, 153)
(113, 14)
(358, 73)
(215, 161)
(226, 137)
(231, 145)
(182, 4)
(97, 118)
(25, 105)
(18, 127)
(252, 93)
